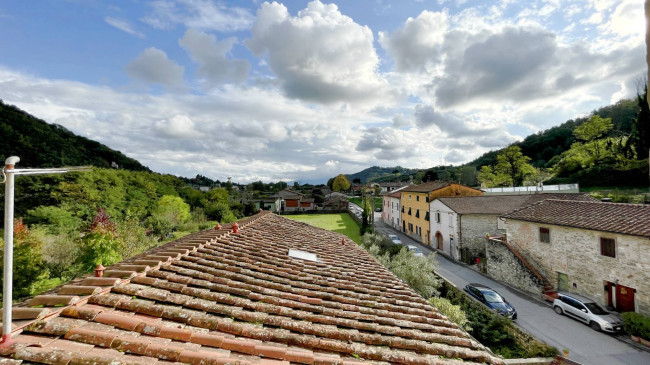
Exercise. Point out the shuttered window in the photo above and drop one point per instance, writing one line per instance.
(607, 247)
(545, 235)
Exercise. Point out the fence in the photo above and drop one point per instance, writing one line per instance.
(535, 189)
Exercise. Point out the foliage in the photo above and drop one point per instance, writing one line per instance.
(28, 264)
(99, 245)
(636, 324)
(452, 311)
(512, 168)
(592, 130)
(340, 183)
(60, 252)
(56, 219)
(172, 209)
(367, 214)
(417, 272)
(640, 137)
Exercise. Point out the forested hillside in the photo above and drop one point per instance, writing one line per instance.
(39, 144)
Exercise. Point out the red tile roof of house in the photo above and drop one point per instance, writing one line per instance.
(502, 204)
(217, 297)
(632, 219)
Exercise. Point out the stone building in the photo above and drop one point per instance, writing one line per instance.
(459, 224)
(599, 250)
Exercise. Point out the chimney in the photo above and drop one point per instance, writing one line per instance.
(99, 271)
(235, 228)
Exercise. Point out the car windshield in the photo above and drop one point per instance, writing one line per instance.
(492, 297)
(596, 309)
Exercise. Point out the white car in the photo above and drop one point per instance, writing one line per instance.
(395, 239)
(416, 251)
(587, 311)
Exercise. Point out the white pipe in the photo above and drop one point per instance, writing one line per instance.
(7, 289)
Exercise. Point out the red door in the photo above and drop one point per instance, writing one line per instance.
(624, 298)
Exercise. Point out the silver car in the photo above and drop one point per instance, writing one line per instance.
(395, 239)
(416, 251)
(587, 311)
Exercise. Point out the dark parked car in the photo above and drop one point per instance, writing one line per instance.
(491, 299)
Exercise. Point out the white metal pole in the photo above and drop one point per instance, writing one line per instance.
(7, 288)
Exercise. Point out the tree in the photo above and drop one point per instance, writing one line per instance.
(340, 183)
(99, 244)
(593, 130)
(173, 209)
(357, 181)
(29, 267)
(468, 175)
(512, 164)
(640, 137)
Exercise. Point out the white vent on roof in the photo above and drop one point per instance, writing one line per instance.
(297, 254)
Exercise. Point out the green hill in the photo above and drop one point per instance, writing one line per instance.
(40, 144)
(379, 174)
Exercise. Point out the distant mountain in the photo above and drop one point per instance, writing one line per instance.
(379, 174)
(40, 144)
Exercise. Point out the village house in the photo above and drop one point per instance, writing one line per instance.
(459, 224)
(289, 199)
(271, 204)
(387, 187)
(266, 290)
(414, 201)
(599, 250)
(390, 212)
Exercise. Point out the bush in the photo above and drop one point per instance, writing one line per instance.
(636, 324)
(453, 312)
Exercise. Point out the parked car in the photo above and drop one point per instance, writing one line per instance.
(491, 299)
(395, 239)
(416, 251)
(377, 209)
(587, 311)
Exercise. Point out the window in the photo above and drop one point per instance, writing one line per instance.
(417, 213)
(411, 227)
(607, 247)
(417, 198)
(451, 220)
(409, 196)
(409, 210)
(437, 217)
(426, 217)
(427, 198)
(501, 223)
(402, 209)
(545, 235)
(418, 231)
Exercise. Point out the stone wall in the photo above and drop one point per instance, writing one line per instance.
(504, 266)
(576, 253)
(473, 229)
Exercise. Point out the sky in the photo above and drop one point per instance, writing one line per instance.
(305, 90)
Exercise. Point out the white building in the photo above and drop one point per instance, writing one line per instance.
(390, 212)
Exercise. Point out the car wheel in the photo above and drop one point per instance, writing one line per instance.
(595, 326)
(558, 310)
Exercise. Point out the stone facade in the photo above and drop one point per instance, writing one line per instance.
(474, 227)
(576, 253)
(502, 265)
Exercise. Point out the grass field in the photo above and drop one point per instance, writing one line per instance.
(357, 200)
(340, 223)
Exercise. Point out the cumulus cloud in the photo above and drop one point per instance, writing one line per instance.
(179, 126)
(415, 47)
(123, 25)
(319, 55)
(212, 57)
(152, 66)
(198, 14)
(450, 124)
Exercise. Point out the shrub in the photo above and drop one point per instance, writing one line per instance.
(453, 312)
(636, 324)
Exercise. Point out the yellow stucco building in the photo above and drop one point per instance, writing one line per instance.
(415, 205)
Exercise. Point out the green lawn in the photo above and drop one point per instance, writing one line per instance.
(340, 223)
(357, 200)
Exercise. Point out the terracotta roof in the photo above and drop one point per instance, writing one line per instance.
(426, 187)
(629, 219)
(502, 204)
(217, 297)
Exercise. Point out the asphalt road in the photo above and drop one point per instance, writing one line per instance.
(585, 345)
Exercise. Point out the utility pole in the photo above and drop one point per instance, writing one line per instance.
(9, 173)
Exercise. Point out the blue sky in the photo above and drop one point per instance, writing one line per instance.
(304, 90)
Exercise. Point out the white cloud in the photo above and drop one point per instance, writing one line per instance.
(198, 14)
(153, 67)
(179, 126)
(123, 25)
(213, 57)
(319, 55)
(415, 47)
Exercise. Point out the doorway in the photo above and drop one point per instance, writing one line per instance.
(624, 298)
(439, 240)
(562, 281)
